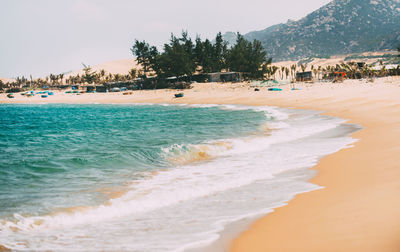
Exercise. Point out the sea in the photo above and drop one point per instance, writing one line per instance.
(147, 177)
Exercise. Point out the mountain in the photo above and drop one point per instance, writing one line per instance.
(340, 27)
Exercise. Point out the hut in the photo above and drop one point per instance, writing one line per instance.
(90, 89)
(304, 76)
(101, 89)
(225, 77)
(360, 64)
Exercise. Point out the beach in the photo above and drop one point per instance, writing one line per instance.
(357, 208)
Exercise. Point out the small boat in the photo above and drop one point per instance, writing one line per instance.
(43, 96)
(296, 88)
(127, 93)
(50, 93)
(10, 95)
(179, 95)
(256, 89)
(274, 89)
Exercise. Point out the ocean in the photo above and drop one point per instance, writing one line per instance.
(145, 177)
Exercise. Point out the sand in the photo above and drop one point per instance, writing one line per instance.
(358, 209)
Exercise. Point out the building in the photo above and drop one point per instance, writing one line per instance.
(225, 77)
(304, 76)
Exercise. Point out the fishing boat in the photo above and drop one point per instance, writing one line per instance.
(178, 95)
(274, 89)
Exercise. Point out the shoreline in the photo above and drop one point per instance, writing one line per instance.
(357, 209)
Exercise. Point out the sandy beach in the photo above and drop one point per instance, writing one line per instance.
(358, 208)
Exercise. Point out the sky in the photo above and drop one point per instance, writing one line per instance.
(39, 37)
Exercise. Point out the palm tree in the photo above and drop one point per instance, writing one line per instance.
(117, 77)
(286, 72)
(303, 67)
(61, 76)
(132, 73)
(100, 76)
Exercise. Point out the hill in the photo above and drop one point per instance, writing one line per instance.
(340, 27)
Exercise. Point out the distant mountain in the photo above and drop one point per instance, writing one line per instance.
(340, 27)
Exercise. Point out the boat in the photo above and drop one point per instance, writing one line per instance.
(274, 89)
(256, 89)
(127, 93)
(43, 96)
(178, 95)
(10, 95)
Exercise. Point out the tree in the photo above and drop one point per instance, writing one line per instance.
(398, 49)
(61, 77)
(132, 73)
(145, 55)
(303, 67)
(89, 76)
(247, 57)
(219, 53)
(177, 59)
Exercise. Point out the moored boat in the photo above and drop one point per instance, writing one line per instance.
(274, 89)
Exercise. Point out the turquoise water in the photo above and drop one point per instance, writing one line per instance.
(59, 156)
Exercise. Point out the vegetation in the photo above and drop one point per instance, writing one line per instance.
(183, 57)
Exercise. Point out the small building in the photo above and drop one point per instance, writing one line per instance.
(90, 89)
(225, 77)
(304, 76)
(360, 64)
(101, 89)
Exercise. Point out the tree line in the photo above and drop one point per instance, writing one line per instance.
(182, 56)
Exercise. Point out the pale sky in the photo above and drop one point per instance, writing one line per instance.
(40, 37)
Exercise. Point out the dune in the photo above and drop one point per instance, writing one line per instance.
(121, 66)
(5, 80)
